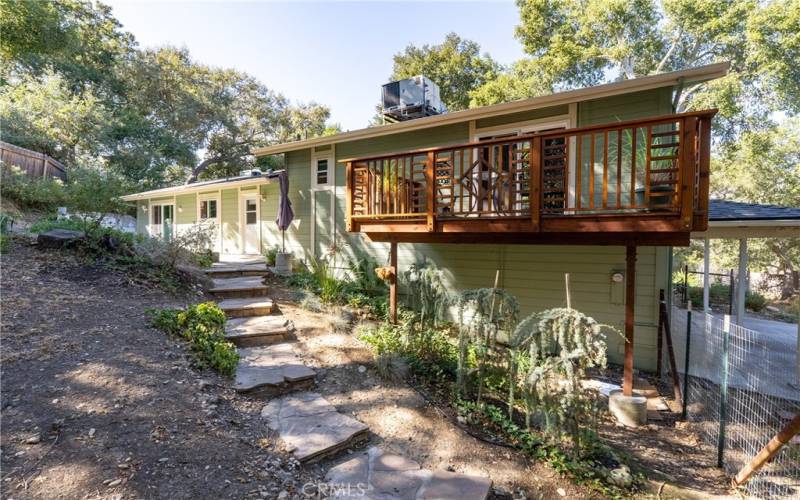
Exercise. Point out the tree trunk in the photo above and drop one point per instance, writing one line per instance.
(202, 167)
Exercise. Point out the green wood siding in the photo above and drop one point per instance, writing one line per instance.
(186, 209)
(534, 114)
(632, 106)
(416, 139)
(298, 236)
(229, 220)
(323, 227)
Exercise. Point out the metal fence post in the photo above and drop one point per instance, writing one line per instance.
(723, 396)
(730, 292)
(686, 360)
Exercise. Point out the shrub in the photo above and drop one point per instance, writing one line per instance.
(362, 290)
(755, 301)
(44, 225)
(203, 326)
(37, 194)
(271, 255)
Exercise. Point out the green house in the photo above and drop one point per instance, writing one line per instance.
(537, 188)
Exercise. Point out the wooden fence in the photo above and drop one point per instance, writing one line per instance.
(35, 165)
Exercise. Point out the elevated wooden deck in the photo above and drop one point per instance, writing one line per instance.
(642, 182)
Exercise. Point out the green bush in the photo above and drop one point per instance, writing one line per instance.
(37, 194)
(50, 223)
(360, 291)
(271, 255)
(203, 325)
(755, 301)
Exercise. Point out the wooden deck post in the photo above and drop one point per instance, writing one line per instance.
(630, 297)
(393, 282)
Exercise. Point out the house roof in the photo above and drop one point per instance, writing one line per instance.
(243, 180)
(692, 75)
(724, 210)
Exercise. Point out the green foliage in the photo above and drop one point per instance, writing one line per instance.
(89, 192)
(428, 350)
(755, 301)
(203, 326)
(84, 93)
(561, 345)
(38, 194)
(360, 290)
(456, 66)
(271, 254)
(427, 294)
(581, 467)
(50, 223)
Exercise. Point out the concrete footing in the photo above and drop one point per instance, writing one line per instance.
(628, 410)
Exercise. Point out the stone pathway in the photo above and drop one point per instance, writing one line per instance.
(379, 475)
(309, 426)
(271, 370)
(257, 330)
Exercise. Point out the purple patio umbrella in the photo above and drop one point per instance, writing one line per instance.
(285, 212)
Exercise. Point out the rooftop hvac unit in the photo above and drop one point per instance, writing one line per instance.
(411, 98)
(251, 172)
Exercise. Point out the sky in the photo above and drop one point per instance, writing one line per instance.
(335, 53)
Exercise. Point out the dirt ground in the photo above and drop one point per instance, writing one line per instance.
(95, 404)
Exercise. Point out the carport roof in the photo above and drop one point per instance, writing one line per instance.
(734, 219)
(724, 210)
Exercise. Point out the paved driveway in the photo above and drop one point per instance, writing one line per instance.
(763, 355)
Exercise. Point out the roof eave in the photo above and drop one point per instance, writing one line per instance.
(190, 188)
(699, 74)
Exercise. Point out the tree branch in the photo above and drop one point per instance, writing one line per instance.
(203, 166)
(672, 47)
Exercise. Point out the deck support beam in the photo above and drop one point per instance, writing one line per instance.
(630, 298)
(393, 282)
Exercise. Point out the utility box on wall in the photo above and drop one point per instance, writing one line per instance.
(617, 287)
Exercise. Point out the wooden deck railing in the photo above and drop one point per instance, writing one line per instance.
(652, 167)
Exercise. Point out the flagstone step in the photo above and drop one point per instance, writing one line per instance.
(271, 371)
(252, 306)
(257, 330)
(311, 428)
(230, 270)
(392, 476)
(239, 287)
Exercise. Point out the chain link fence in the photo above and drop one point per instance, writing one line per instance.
(738, 397)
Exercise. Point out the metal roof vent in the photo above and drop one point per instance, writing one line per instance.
(411, 98)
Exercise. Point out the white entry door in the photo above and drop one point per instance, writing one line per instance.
(251, 233)
(162, 221)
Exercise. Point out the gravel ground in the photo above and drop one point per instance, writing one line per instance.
(96, 404)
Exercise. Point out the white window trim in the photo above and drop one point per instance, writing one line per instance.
(330, 186)
(327, 155)
(216, 196)
(150, 224)
(209, 197)
(526, 127)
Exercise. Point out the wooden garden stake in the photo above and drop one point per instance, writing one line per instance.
(768, 451)
(569, 296)
(486, 336)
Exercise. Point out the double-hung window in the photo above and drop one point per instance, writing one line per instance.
(208, 209)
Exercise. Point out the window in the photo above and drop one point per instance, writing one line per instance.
(157, 214)
(251, 217)
(322, 171)
(208, 209)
